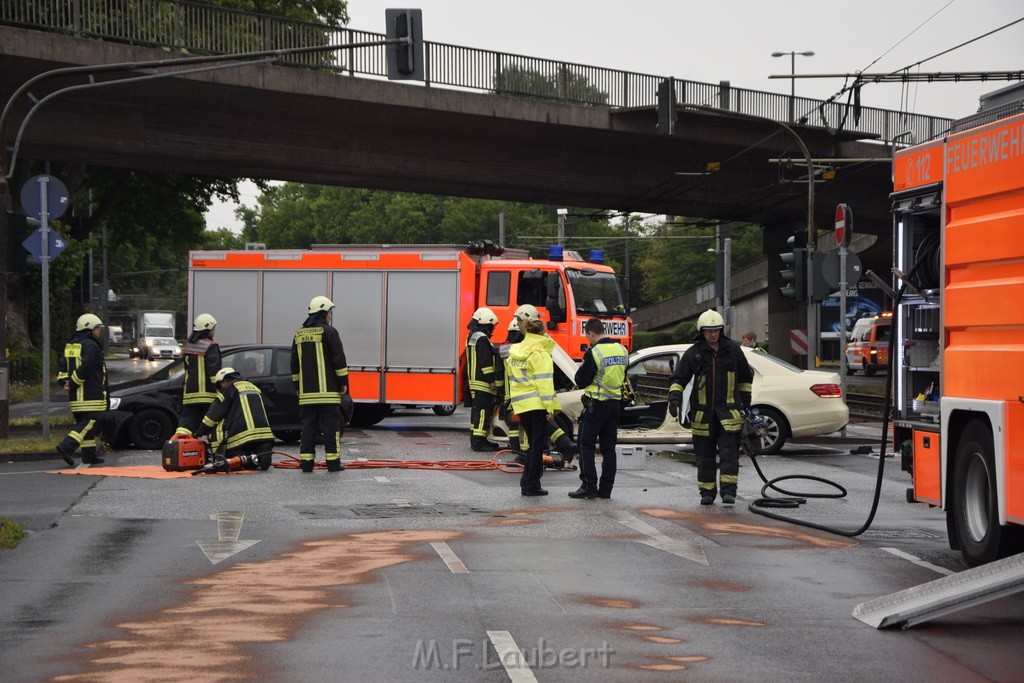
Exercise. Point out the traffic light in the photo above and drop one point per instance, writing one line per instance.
(794, 268)
(405, 59)
(666, 107)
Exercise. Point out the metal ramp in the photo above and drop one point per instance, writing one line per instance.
(949, 594)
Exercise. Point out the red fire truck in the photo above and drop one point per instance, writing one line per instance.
(402, 311)
(959, 329)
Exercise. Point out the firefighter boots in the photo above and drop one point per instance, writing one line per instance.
(481, 444)
(584, 492)
(335, 465)
(66, 452)
(306, 465)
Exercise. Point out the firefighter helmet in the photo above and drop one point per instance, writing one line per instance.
(225, 373)
(88, 321)
(710, 320)
(485, 316)
(204, 321)
(320, 303)
(527, 312)
(513, 325)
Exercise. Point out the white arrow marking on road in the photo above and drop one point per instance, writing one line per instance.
(688, 550)
(229, 526)
(918, 561)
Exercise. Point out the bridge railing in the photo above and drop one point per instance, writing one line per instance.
(191, 27)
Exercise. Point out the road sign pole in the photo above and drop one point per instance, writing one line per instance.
(44, 263)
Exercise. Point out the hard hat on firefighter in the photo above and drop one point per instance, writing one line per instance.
(88, 321)
(710, 320)
(485, 316)
(527, 312)
(320, 303)
(513, 325)
(225, 373)
(204, 321)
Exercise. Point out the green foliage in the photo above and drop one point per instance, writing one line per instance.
(296, 216)
(674, 266)
(645, 340)
(11, 533)
(563, 84)
(333, 12)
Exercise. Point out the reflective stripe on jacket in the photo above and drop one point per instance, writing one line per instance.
(202, 363)
(319, 369)
(723, 383)
(240, 407)
(480, 363)
(81, 367)
(530, 373)
(603, 371)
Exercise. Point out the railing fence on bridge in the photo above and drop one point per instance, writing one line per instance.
(190, 27)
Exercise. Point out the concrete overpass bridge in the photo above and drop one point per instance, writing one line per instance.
(483, 124)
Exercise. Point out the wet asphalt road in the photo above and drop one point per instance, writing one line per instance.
(409, 575)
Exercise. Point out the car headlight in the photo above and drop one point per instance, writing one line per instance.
(114, 403)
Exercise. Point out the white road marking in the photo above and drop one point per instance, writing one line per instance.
(511, 657)
(229, 526)
(382, 480)
(918, 561)
(402, 503)
(450, 558)
(689, 550)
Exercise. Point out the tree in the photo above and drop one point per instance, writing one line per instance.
(674, 266)
(563, 85)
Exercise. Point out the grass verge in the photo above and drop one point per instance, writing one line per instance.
(10, 534)
(30, 444)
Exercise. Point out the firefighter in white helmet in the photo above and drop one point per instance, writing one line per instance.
(482, 375)
(82, 372)
(202, 363)
(719, 399)
(320, 375)
(238, 420)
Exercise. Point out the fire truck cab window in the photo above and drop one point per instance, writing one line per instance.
(498, 285)
(531, 288)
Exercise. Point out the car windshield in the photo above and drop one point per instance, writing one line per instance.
(164, 342)
(595, 293)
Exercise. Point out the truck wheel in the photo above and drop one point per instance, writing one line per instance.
(369, 414)
(975, 512)
(150, 428)
(773, 431)
(444, 410)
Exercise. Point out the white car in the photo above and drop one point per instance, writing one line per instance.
(164, 347)
(793, 403)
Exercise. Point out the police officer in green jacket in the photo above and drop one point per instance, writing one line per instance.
(723, 382)
(320, 375)
(82, 372)
(602, 376)
(532, 394)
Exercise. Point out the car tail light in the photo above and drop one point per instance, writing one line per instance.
(827, 390)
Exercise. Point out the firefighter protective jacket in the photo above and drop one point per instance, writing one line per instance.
(319, 369)
(723, 382)
(239, 410)
(82, 367)
(530, 373)
(603, 371)
(481, 361)
(202, 363)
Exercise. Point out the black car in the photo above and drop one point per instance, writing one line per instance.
(145, 411)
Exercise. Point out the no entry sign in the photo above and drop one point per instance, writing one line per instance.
(844, 224)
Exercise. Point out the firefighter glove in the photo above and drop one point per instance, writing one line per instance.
(673, 407)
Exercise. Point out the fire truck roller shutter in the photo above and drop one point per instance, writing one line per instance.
(217, 292)
(286, 295)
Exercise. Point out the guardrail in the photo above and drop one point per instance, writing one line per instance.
(190, 27)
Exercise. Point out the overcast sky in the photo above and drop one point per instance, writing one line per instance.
(733, 40)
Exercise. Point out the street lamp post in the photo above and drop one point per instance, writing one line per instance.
(792, 72)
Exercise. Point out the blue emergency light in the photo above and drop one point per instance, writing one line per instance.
(555, 253)
(596, 256)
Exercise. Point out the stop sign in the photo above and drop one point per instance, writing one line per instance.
(844, 224)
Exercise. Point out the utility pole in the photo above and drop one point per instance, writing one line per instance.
(561, 226)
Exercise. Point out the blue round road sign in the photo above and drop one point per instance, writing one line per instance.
(57, 200)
